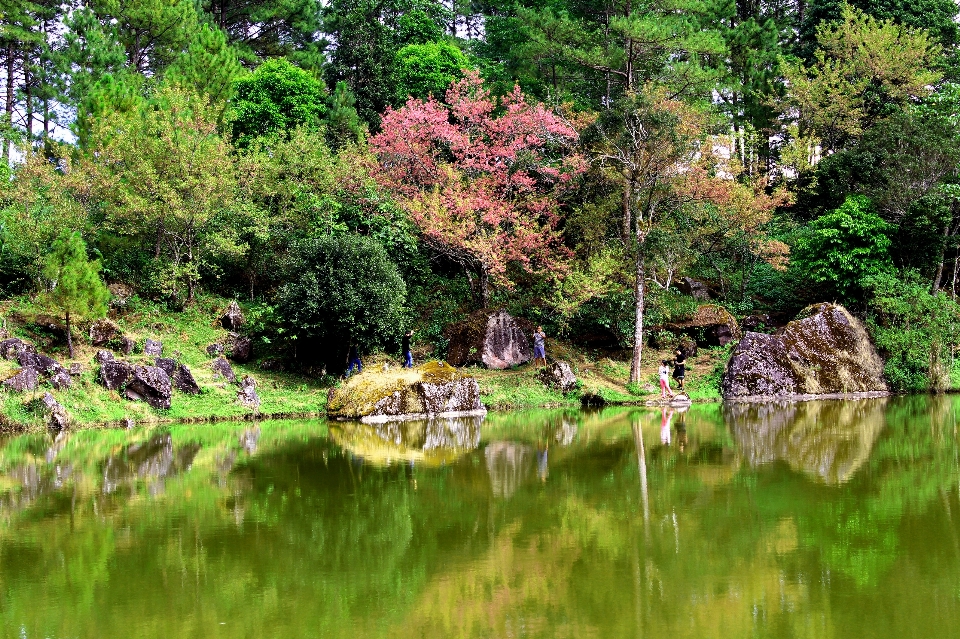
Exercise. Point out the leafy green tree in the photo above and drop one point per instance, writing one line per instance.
(844, 247)
(210, 65)
(864, 69)
(277, 97)
(340, 290)
(75, 286)
(424, 70)
(343, 121)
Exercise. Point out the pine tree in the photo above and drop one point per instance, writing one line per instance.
(76, 287)
(343, 122)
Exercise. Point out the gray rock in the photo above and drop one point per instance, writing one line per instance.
(57, 416)
(120, 295)
(126, 345)
(45, 366)
(76, 369)
(824, 351)
(103, 331)
(694, 288)
(152, 347)
(61, 380)
(149, 384)
(10, 348)
(247, 393)
(215, 349)
(239, 348)
(103, 356)
(492, 338)
(222, 368)
(560, 376)
(25, 379)
(180, 376)
(232, 318)
(115, 373)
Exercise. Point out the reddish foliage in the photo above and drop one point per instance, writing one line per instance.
(481, 180)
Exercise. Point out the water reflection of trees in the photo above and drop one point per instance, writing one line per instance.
(826, 440)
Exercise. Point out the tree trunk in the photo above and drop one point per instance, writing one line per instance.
(483, 284)
(638, 324)
(8, 107)
(28, 95)
(939, 274)
(69, 337)
(625, 232)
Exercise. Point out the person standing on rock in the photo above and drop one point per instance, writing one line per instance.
(539, 346)
(405, 347)
(679, 367)
(664, 372)
(353, 359)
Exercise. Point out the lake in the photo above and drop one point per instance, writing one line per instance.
(818, 519)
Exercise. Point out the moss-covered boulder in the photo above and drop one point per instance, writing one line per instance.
(434, 388)
(491, 338)
(825, 351)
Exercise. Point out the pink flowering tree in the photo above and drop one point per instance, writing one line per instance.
(482, 180)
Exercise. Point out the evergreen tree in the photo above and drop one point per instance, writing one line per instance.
(76, 288)
(343, 122)
(210, 65)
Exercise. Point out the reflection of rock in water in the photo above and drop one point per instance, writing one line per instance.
(566, 433)
(827, 439)
(430, 440)
(509, 465)
(249, 439)
(152, 459)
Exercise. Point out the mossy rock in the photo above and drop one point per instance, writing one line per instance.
(825, 351)
(433, 388)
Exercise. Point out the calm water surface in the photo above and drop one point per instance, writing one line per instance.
(810, 520)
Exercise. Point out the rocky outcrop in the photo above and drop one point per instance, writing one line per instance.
(149, 384)
(153, 348)
(560, 376)
(25, 379)
(247, 393)
(494, 339)
(694, 288)
(57, 416)
(239, 348)
(103, 331)
(180, 376)
(712, 325)
(45, 366)
(824, 351)
(232, 318)
(431, 389)
(222, 369)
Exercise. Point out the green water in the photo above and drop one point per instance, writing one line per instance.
(808, 520)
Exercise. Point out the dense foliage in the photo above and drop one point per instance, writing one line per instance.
(573, 162)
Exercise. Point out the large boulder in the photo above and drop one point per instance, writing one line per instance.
(10, 348)
(431, 389)
(103, 331)
(712, 325)
(694, 288)
(222, 368)
(150, 384)
(494, 339)
(239, 348)
(247, 393)
(824, 351)
(45, 366)
(25, 379)
(114, 373)
(560, 376)
(180, 376)
(57, 416)
(232, 318)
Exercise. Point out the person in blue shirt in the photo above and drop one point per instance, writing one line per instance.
(539, 346)
(405, 347)
(353, 359)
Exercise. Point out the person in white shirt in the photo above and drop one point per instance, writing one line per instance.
(664, 372)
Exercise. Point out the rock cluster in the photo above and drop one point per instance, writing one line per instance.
(180, 376)
(222, 369)
(34, 367)
(431, 389)
(232, 318)
(492, 338)
(824, 351)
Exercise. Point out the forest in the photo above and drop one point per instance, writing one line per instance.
(349, 169)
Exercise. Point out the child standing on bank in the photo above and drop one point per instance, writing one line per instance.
(664, 372)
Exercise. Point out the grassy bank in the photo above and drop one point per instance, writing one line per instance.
(185, 336)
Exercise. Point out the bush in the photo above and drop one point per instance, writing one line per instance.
(914, 330)
(338, 291)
